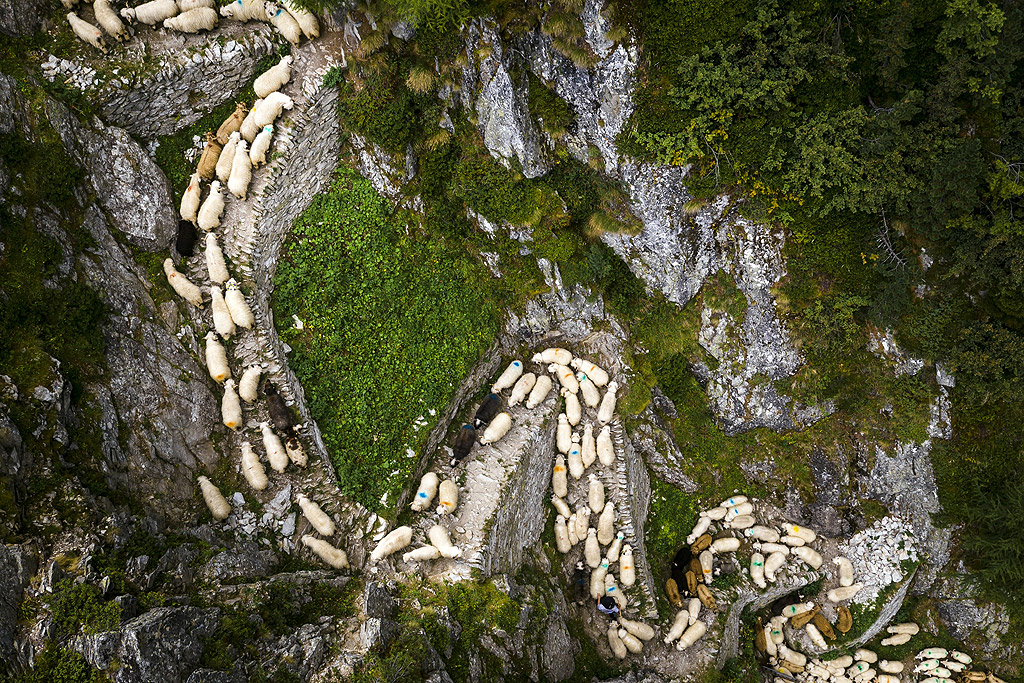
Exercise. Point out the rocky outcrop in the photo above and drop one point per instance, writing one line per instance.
(17, 566)
(22, 17)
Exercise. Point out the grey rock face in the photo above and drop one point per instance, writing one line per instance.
(17, 566)
(164, 644)
(245, 562)
(22, 17)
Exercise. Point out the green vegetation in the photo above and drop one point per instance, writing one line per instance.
(549, 109)
(54, 665)
(674, 513)
(80, 608)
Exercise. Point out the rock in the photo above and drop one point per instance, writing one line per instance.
(22, 17)
(236, 675)
(17, 566)
(378, 634)
(245, 562)
(129, 606)
(378, 601)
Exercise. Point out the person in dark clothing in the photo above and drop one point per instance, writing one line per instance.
(606, 604)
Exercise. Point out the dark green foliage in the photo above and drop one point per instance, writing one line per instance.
(548, 108)
(54, 665)
(80, 608)
(676, 512)
(392, 324)
(49, 174)
(493, 190)
(383, 108)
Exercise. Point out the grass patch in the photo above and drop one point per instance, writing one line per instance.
(672, 515)
(80, 608)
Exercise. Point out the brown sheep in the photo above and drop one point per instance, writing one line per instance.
(208, 161)
(232, 123)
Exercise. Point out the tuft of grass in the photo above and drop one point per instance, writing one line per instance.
(420, 80)
(372, 42)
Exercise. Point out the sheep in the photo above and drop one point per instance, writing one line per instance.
(591, 549)
(611, 589)
(817, 639)
(616, 644)
(589, 450)
(702, 525)
(221, 316)
(320, 520)
(274, 78)
(464, 441)
(845, 572)
(627, 570)
(638, 629)
(393, 542)
(218, 506)
(960, 656)
(802, 532)
(563, 434)
(497, 429)
(908, 627)
(890, 667)
(693, 608)
(151, 13)
(575, 458)
(194, 20)
(215, 265)
(249, 383)
(570, 527)
(715, 513)
(593, 372)
(757, 570)
(522, 388)
(595, 494)
(190, 200)
(508, 378)
(181, 285)
(737, 510)
(772, 564)
(591, 396)
(565, 377)
(604, 414)
(810, 557)
(244, 10)
(865, 655)
(295, 451)
(438, 536)
(763, 533)
(606, 524)
(270, 108)
(540, 391)
(241, 314)
(886, 678)
(631, 642)
(258, 151)
(702, 543)
(276, 453)
(86, 32)
(279, 413)
(232, 123)
(561, 507)
(186, 5)
(108, 20)
(252, 468)
(448, 497)
(573, 410)
(487, 410)
(954, 666)
(597, 580)
(582, 521)
(792, 656)
(216, 359)
(692, 635)
(558, 480)
(427, 552)
(227, 157)
(306, 20)
(707, 565)
(336, 557)
(679, 624)
(927, 665)
(614, 548)
(241, 171)
(790, 611)
(553, 355)
(207, 165)
(426, 492)
(605, 449)
(898, 639)
(248, 130)
(185, 242)
(212, 208)
(742, 522)
(562, 543)
(230, 408)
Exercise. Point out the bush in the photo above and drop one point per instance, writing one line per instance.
(80, 607)
(54, 665)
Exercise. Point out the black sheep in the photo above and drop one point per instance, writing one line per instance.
(279, 413)
(581, 583)
(487, 410)
(464, 441)
(186, 242)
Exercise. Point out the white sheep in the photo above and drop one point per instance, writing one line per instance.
(86, 32)
(186, 5)
(563, 434)
(276, 453)
(562, 542)
(679, 624)
(591, 396)
(438, 536)
(306, 20)
(244, 10)
(769, 548)
(151, 13)
(605, 448)
(694, 610)
(793, 541)
(190, 200)
(221, 315)
(241, 171)
(561, 507)
(809, 555)
(498, 428)
(604, 414)
(108, 20)
(594, 373)
(707, 565)
(252, 468)
(248, 385)
(595, 494)
(522, 388)
(241, 314)
(692, 635)
(274, 78)
(215, 264)
(611, 589)
(508, 377)
(426, 492)
(613, 550)
(631, 642)
(552, 355)
(258, 151)
(447, 497)
(606, 524)
(193, 21)
(565, 377)
(218, 506)
(702, 525)
(227, 157)
(597, 580)
(424, 554)
(284, 22)
(908, 627)
(540, 391)
(182, 285)
(817, 639)
(591, 549)
(615, 643)
(217, 359)
(845, 572)
(249, 129)
(890, 666)
(558, 479)
(393, 542)
(212, 208)
(802, 532)
(844, 592)
(570, 527)
(295, 451)
(772, 564)
(763, 533)
(320, 520)
(898, 639)
(230, 408)
(757, 570)
(729, 544)
(738, 510)
(589, 450)
(270, 108)
(575, 458)
(335, 557)
(573, 410)
(742, 522)
(627, 569)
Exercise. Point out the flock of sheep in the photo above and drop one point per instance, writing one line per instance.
(189, 16)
